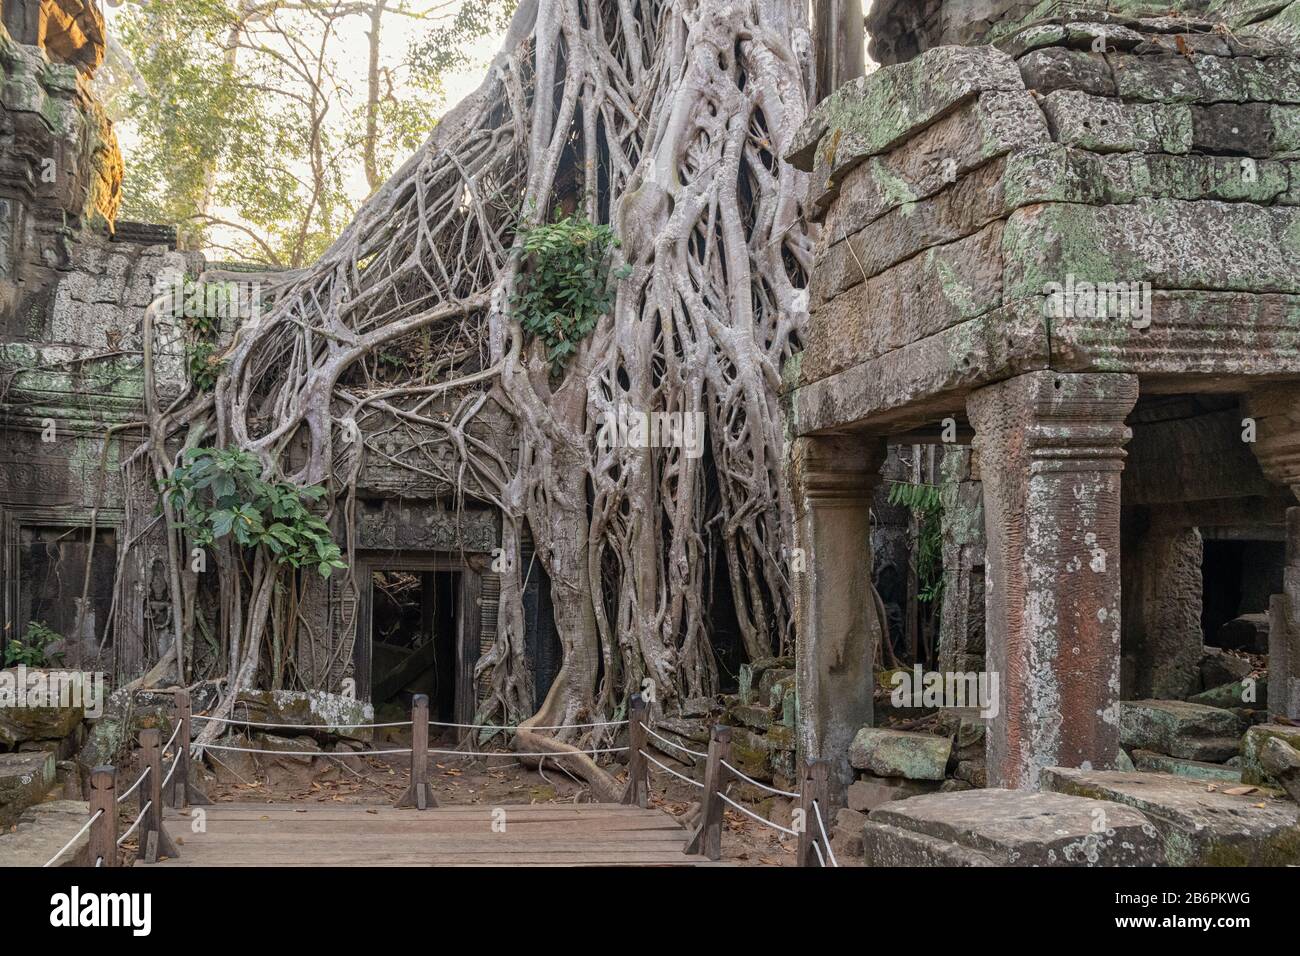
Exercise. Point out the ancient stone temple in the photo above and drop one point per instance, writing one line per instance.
(76, 288)
(1067, 234)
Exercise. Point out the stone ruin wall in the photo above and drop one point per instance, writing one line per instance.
(1125, 145)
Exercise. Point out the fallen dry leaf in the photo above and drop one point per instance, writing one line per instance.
(1240, 791)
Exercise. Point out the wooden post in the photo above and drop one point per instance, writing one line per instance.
(181, 792)
(816, 787)
(707, 837)
(638, 769)
(420, 793)
(103, 832)
(154, 841)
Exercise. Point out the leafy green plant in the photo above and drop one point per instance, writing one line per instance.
(564, 287)
(221, 492)
(32, 649)
(925, 503)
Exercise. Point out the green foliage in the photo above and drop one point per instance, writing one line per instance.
(564, 288)
(926, 505)
(31, 650)
(221, 492)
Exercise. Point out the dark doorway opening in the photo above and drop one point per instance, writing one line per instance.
(414, 636)
(1237, 577)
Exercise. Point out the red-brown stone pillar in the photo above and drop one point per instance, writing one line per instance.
(836, 611)
(1051, 449)
(1274, 413)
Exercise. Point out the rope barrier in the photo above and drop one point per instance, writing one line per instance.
(135, 786)
(761, 786)
(176, 762)
(405, 723)
(679, 776)
(821, 825)
(755, 816)
(131, 828)
(75, 837)
(407, 750)
(172, 739)
(677, 746)
(818, 850)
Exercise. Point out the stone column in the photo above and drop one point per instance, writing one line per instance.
(1162, 604)
(961, 622)
(1051, 449)
(1275, 411)
(836, 611)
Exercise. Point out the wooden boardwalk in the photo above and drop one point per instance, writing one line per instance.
(591, 834)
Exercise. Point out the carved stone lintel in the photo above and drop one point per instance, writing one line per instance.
(1051, 454)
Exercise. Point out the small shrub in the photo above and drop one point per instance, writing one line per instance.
(564, 288)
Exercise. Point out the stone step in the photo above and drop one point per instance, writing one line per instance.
(24, 780)
(1180, 729)
(42, 831)
(1198, 826)
(1008, 828)
(1193, 769)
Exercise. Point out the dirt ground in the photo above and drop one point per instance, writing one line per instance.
(495, 781)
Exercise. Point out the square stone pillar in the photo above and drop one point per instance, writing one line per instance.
(1163, 644)
(836, 610)
(1274, 411)
(1051, 449)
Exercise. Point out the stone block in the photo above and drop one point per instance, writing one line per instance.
(24, 780)
(1180, 729)
(340, 716)
(900, 753)
(750, 754)
(867, 793)
(1252, 744)
(42, 831)
(1198, 826)
(1281, 761)
(1008, 828)
(1179, 767)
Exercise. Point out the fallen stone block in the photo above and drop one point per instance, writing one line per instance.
(1249, 632)
(1252, 768)
(750, 754)
(900, 753)
(847, 834)
(24, 780)
(1198, 826)
(336, 715)
(1282, 763)
(1192, 769)
(1233, 695)
(1219, 668)
(1008, 828)
(1180, 729)
(868, 793)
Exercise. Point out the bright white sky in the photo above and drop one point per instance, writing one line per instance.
(399, 32)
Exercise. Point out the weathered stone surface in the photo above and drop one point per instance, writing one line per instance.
(1171, 244)
(1234, 695)
(1248, 632)
(1281, 761)
(1218, 668)
(1053, 614)
(339, 716)
(900, 753)
(42, 831)
(1180, 729)
(1195, 769)
(1253, 770)
(1162, 607)
(1056, 68)
(753, 716)
(750, 754)
(1105, 125)
(973, 772)
(873, 113)
(1008, 828)
(847, 835)
(867, 793)
(24, 780)
(1198, 826)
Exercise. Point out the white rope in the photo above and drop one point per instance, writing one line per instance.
(821, 825)
(407, 750)
(599, 723)
(755, 816)
(135, 786)
(176, 762)
(302, 753)
(75, 837)
(687, 750)
(679, 776)
(99, 861)
(544, 753)
(818, 850)
(172, 739)
(131, 828)
(299, 726)
(761, 786)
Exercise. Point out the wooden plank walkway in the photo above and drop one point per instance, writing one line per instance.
(591, 834)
